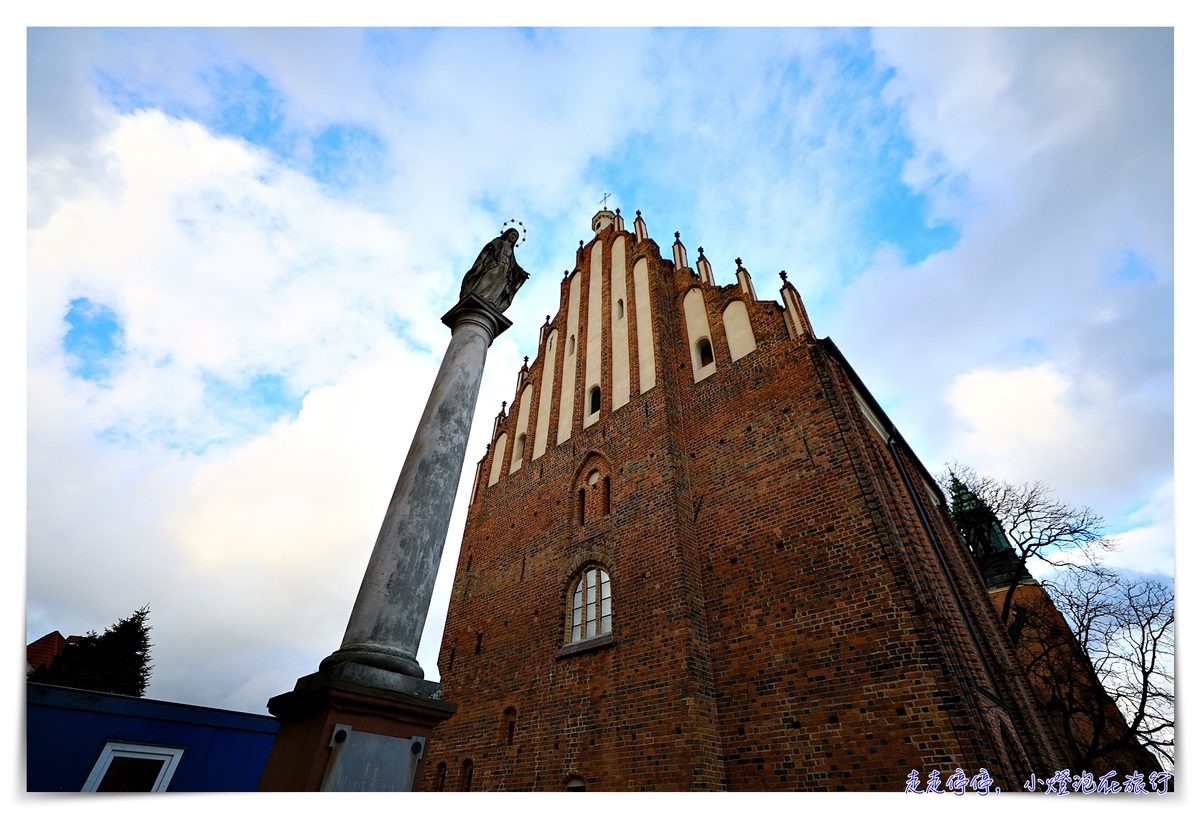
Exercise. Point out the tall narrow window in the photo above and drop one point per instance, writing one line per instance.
(510, 718)
(591, 605)
(441, 777)
(704, 351)
(582, 504)
(605, 498)
(594, 400)
(468, 773)
(571, 345)
(519, 449)
(620, 308)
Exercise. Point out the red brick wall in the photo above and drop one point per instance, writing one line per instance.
(781, 617)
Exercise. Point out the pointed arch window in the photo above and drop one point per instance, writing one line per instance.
(591, 605)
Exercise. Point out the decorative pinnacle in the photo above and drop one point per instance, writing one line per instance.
(676, 235)
(638, 212)
(548, 317)
(618, 211)
(701, 249)
(783, 274)
(738, 262)
(503, 405)
(581, 243)
(526, 360)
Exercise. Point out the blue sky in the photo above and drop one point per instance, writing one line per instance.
(240, 242)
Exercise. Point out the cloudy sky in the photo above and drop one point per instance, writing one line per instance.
(240, 242)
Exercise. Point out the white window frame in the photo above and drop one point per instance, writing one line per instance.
(589, 614)
(120, 749)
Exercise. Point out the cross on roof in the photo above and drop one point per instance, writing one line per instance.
(604, 201)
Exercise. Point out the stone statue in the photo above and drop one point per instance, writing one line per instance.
(495, 276)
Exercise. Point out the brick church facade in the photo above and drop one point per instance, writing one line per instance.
(698, 556)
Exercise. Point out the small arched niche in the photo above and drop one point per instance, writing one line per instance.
(695, 316)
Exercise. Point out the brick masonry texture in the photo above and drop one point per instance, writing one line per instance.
(792, 606)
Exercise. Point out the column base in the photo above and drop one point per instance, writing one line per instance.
(353, 727)
(375, 656)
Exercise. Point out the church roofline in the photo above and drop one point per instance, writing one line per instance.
(893, 432)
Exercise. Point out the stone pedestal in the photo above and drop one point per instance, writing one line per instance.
(353, 727)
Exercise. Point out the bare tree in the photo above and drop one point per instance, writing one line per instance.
(1099, 648)
(1033, 521)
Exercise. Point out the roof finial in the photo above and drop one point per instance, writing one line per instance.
(526, 360)
(783, 274)
(676, 235)
(618, 211)
(638, 212)
(548, 317)
(701, 249)
(738, 262)
(503, 405)
(581, 244)
(604, 201)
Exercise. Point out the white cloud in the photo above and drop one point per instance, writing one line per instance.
(1024, 349)
(1149, 546)
(225, 261)
(221, 264)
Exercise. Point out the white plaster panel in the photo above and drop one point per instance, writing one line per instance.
(566, 401)
(595, 331)
(696, 318)
(737, 330)
(498, 458)
(645, 325)
(522, 428)
(620, 327)
(549, 363)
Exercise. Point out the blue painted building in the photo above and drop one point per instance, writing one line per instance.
(83, 740)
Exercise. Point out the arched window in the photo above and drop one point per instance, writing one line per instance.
(519, 449)
(591, 605)
(441, 777)
(468, 772)
(620, 308)
(704, 352)
(594, 400)
(576, 784)
(571, 345)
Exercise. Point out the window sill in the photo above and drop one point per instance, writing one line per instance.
(572, 648)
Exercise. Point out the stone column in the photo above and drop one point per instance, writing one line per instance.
(393, 600)
(362, 721)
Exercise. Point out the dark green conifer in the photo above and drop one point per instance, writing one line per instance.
(117, 661)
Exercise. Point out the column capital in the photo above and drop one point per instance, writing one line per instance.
(475, 310)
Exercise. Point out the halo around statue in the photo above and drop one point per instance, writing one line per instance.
(515, 225)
